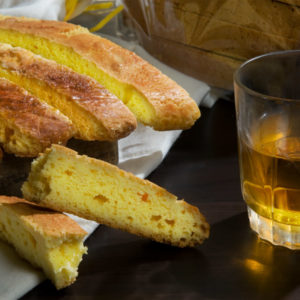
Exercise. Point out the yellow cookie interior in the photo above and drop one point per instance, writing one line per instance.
(134, 100)
(58, 259)
(86, 126)
(112, 197)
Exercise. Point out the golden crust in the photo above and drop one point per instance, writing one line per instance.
(114, 116)
(48, 222)
(173, 106)
(37, 120)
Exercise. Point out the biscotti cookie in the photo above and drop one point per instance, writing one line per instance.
(96, 114)
(47, 239)
(27, 125)
(96, 190)
(155, 99)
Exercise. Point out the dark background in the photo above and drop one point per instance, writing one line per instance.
(202, 168)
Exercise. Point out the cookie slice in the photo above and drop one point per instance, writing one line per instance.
(27, 125)
(93, 189)
(47, 239)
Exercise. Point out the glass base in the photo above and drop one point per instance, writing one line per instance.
(275, 232)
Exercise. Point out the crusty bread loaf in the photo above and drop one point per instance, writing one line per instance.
(279, 18)
(205, 39)
(236, 41)
(96, 190)
(27, 125)
(96, 114)
(47, 239)
(155, 99)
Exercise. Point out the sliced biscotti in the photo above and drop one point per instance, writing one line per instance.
(47, 239)
(155, 99)
(27, 125)
(96, 114)
(96, 190)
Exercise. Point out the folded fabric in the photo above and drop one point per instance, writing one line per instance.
(48, 10)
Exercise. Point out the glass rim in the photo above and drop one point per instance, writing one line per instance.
(236, 77)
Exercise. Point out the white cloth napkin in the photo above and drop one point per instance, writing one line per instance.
(139, 153)
(48, 10)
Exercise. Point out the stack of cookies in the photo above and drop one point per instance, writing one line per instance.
(58, 81)
(101, 89)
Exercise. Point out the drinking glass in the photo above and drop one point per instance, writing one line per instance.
(267, 101)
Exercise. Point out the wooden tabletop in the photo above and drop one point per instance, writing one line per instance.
(202, 168)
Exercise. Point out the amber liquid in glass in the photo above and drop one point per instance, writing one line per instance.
(270, 176)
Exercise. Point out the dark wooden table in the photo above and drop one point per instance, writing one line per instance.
(202, 168)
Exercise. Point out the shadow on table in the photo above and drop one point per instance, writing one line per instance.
(242, 266)
(232, 264)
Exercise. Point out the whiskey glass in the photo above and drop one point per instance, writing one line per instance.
(267, 102)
